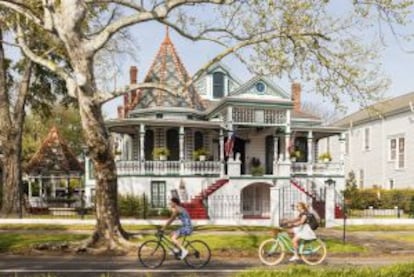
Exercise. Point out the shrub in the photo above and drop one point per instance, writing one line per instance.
(325, 156)
(160, 151)
(199, 152)
(165, 212)
(411, 211)
(131, 205)
(255, 167)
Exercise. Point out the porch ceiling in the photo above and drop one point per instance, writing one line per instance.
(130, 125)
(319, 132)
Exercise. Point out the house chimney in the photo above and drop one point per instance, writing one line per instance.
(296, 95)
(133, 74)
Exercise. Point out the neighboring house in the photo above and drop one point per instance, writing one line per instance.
(246, 130)
(379, 145)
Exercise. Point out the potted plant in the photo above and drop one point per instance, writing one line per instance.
(325, 157)
(294, 155)
(160, 153)
(200, 154)
(255, 167)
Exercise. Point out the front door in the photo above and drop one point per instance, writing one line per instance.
(240, 147)
(173, 144)
(270, 152)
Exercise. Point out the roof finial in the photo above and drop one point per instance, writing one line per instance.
(167, 34)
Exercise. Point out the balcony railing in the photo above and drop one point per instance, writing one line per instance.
(317, 168)
(168, 168)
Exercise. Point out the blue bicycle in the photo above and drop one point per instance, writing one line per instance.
(272, 251)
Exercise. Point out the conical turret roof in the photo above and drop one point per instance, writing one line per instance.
(167, 69)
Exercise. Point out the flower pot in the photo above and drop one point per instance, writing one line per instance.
(293, 159)
(163, 158)
(326, 160)
(202, 158)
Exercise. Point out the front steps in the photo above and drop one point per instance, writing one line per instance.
(195, 207)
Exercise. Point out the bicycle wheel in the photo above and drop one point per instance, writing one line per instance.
(151, 254)
(199, 254)
(313, 252)
(271, 252)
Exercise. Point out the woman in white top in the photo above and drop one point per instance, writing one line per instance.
(300, 228)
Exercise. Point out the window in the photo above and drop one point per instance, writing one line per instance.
(198, 140)
(218, 85)
(367, 139)
(393, 149)
(401, 152)
(361, 178)
(158, 196)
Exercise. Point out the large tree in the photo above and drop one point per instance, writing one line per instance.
(302, 39)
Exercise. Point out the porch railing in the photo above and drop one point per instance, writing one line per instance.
(317, 168)
(168, 168)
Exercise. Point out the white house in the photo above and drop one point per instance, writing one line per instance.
(248, 129)
(379, 143)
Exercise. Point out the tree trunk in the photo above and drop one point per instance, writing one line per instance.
(108, 231)
(12, 176)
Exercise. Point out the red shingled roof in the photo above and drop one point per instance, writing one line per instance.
(167, 69)
(53, 156)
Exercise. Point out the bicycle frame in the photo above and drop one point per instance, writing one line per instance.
(284, 238)
(168, 243)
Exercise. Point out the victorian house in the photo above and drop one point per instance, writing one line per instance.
(229, 148)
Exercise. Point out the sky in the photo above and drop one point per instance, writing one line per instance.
(397, 64)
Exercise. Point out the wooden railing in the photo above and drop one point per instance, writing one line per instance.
(168, 168)
(317, 168)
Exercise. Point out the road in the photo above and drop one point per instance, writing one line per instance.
(129, 266)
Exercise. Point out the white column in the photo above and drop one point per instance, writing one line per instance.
(30, 189)
(330, 206)
(41, 187)
(230, 127)
(275, 154)
(310, 152)
(181, 142)
(342, 151)
(274, 205)
(221, 143)
(142, 147)
(287, 136)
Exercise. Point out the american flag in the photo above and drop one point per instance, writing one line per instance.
(228, 146)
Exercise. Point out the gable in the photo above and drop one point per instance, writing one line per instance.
(260, 87)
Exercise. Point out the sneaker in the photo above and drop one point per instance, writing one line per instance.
(294, 258)
(184, 253)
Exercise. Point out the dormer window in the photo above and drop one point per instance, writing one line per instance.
(218, 85)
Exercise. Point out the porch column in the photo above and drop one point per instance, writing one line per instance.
(287, 136)
(221, 142)
(275, 153)
(310, 156)
(181, 142)
(41, 187)
(30, 189)
(330, 206)
(230, 128)
(141, 147)
(275, 205)
(342, 153)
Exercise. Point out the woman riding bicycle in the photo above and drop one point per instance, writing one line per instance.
(186, 228)
(300, 228)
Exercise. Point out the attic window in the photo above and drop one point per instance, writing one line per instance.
(159, 115)
(218, 85)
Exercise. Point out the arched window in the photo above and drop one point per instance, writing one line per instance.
(198, 140)
(218, 85)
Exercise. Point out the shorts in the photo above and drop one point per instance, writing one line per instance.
(184, 231)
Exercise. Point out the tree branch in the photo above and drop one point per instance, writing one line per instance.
(157, 13)
(53, 67)
(105, 97)
(21, 8)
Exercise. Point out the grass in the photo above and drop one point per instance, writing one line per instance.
(382, 228)
(20, 243)
(401, 270)
(399, 237)
(248, 245)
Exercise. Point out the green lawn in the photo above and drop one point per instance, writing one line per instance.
(383, 228)
(402, 270)
(399, 237)
(220, 244)
(20, 243)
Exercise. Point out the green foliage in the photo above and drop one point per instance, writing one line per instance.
(255, 167)
(377, 198)
(36, 128)
(199, 152)
(401, 270)
(160, 151)
(131, 205)
(411, 210)
(325, 156)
